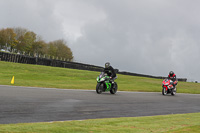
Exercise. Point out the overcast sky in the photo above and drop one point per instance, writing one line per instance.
(142, 36)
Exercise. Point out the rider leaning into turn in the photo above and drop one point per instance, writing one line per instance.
(172, 76)
(110, 71)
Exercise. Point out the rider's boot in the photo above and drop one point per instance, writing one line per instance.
(175, 88)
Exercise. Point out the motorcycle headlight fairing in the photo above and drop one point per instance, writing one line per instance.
(102, 79)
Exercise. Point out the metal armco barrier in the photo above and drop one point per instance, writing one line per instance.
(47, 62)
(65, 64)
(149, 76)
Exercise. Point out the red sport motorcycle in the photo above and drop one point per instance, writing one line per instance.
(168, 86)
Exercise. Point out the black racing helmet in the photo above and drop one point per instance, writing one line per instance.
(107, 64)
(171, 73)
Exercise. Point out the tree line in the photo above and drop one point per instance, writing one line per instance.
(22, 41)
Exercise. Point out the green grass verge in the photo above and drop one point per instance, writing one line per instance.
(179, 123)
(55, 77)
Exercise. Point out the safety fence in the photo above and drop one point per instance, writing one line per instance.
(65, 64)
(149, 76)
(47, 62)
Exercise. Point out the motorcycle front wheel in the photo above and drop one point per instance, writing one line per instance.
(98, 88)
(164, 91)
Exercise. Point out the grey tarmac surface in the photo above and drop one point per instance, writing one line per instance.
(29, 104)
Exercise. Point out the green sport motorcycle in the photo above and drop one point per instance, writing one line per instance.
(104, 84)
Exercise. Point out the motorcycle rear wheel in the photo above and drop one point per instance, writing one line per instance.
(114, 88)
(173, 92)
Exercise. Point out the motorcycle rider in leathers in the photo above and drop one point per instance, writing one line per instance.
(172, 77)
(110, 72)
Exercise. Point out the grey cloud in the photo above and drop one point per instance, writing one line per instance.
(37, 15)
(149, 37)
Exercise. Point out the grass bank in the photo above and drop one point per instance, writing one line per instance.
(64, 78)
(179, 123)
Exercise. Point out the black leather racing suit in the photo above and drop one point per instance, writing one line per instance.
(173, 78)
(110, 72)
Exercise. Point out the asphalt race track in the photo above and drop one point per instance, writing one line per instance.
(29, 104)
